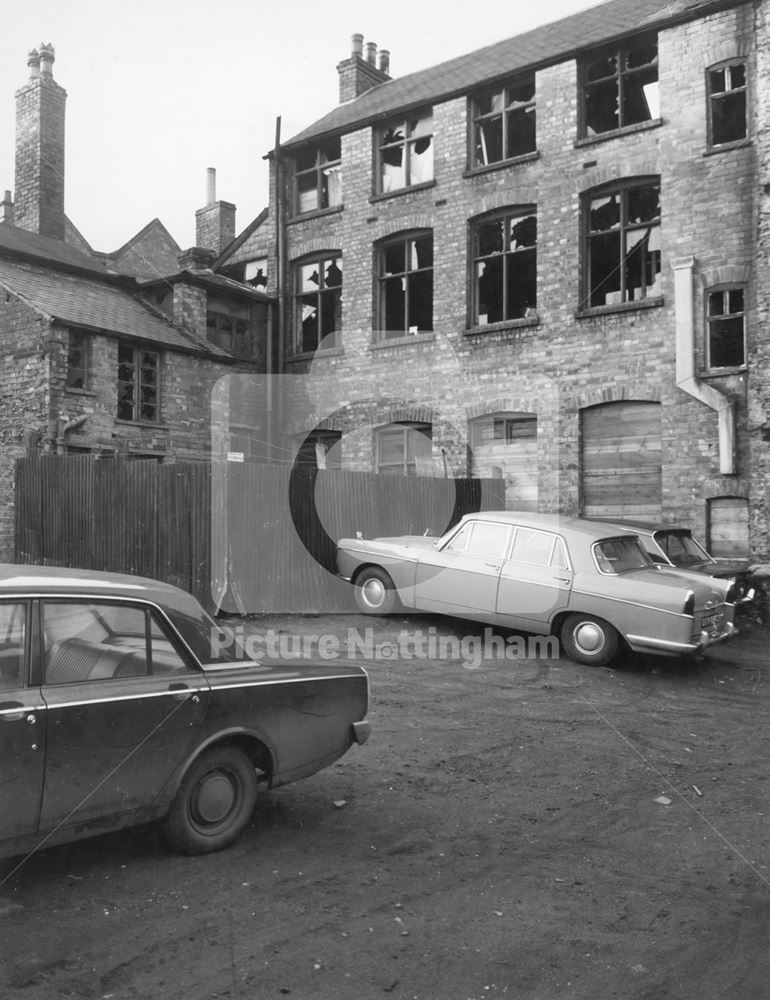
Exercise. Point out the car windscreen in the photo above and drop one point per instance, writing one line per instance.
(680, 548)
(618, 555)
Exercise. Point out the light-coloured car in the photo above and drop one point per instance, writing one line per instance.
(585, 582)
(122, 701)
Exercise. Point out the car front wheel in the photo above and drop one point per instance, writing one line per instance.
(214, 802)
(589, 640)
(374, 592)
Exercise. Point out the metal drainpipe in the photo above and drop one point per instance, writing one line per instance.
(280, 253)
(685, 365)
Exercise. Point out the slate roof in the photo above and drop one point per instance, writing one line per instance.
(543, 46)
(102, 305)
(19, 241)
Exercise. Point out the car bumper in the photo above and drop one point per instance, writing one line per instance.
(648, 644)
(361, 731)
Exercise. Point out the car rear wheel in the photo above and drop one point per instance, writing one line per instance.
(589, 640)
(374, 592)
(214, 802)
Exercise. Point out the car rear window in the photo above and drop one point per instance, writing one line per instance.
(618, 555)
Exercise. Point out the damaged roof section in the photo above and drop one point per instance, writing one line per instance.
(546, 45)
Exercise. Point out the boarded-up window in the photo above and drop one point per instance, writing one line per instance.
(728, 527)
(620, 460)
(505, 444)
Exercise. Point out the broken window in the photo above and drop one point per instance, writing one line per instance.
(727, 103)
(505, 267)
(229, 326)
(726, 328)
(623, 245)
(405, 153)
(406, 286)
(404, 449)
(318, 309)
(318, 177)
(620, 87)
(255, 273)
(77, 359)
(138, 384)
(504, 122)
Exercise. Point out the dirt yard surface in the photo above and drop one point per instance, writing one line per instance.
(515, 827)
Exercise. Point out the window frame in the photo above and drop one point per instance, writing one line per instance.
(82, 372)
(408, 462)
(621, 74)
(506, 112)
(409, 240)
(318, 169)
(622, 188)
(137, 384)
(506, 216)
(408, 140)
(710, 322)
(711, 96)
(322, 261)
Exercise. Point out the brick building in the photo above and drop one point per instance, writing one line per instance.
(96, 361)
(544, 260)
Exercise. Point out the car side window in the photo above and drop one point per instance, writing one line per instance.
(559, 557)
(489, 539)
(459, 541)
(95, 641)
(13, 628)
(533, 547)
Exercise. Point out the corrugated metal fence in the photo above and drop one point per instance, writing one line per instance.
(241, 537)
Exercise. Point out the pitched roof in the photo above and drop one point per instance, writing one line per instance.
(102, 305)
(44, 248)
(545, 45)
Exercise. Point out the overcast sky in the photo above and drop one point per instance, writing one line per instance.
(159, 90)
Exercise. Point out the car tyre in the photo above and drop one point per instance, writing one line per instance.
(214, 803)
(375, 593)
(589, 640)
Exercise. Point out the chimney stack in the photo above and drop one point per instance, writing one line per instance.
(6, 209)
(39, 175)
(363, 70)
(215, 222)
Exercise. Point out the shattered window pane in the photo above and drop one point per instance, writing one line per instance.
(406, 154)
(138, 371)
(623, 245)
(406, 286)
(726, 346)
(505, 268)
(318, 304)
(620, 88)
(727, 102)
(77, 360)
(504, 122)
(318, 177)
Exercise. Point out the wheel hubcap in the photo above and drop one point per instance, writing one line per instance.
(373, 592)
(214, 798)
(589, 638)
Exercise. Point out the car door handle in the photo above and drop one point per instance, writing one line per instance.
(181, 691)
(493, 565)
(13, 711)
(563, 579)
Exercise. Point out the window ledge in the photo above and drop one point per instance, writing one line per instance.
(525, 323)
(710, 373)
(501, 164)
(590, 140)
(314, 213)
(402, 191)
(142, 423)
(727, 147)
(621, 307)
(323, 352)
(412, 338)
(74, 391)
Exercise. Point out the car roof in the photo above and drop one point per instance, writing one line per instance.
(24, 579)
(646, 526)
(549, 522)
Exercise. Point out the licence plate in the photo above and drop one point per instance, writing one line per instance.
(711, 622)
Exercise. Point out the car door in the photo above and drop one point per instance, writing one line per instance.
(536, 581)
(462, 577)
(124, 707)
(22, 726)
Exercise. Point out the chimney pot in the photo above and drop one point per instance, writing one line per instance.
(356, 45)
(33, 61)
(383, 61)
(371, 52)
(47, 57)
(211, 185)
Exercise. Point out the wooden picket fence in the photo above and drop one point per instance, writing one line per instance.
(242, 537)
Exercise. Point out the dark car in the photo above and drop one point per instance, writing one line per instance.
(122, 701)
(673, 546)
